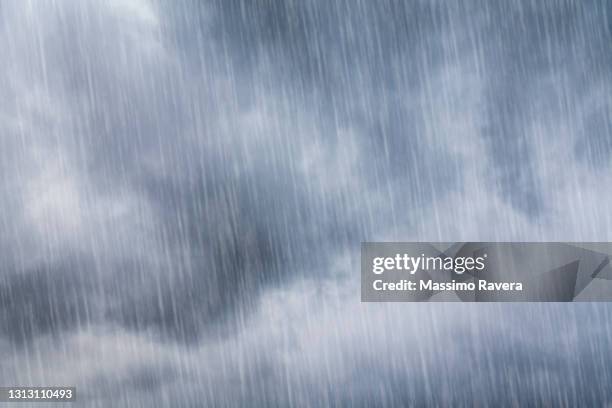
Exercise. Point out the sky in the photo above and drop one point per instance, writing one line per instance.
(184, 187)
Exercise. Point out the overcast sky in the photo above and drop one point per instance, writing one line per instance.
(184, 187)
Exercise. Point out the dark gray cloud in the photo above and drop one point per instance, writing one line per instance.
(169, 168)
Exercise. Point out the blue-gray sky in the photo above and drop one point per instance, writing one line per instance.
(184, 187)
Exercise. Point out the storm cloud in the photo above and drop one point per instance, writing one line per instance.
(185, 186)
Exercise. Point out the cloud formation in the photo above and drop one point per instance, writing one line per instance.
(185, 187)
